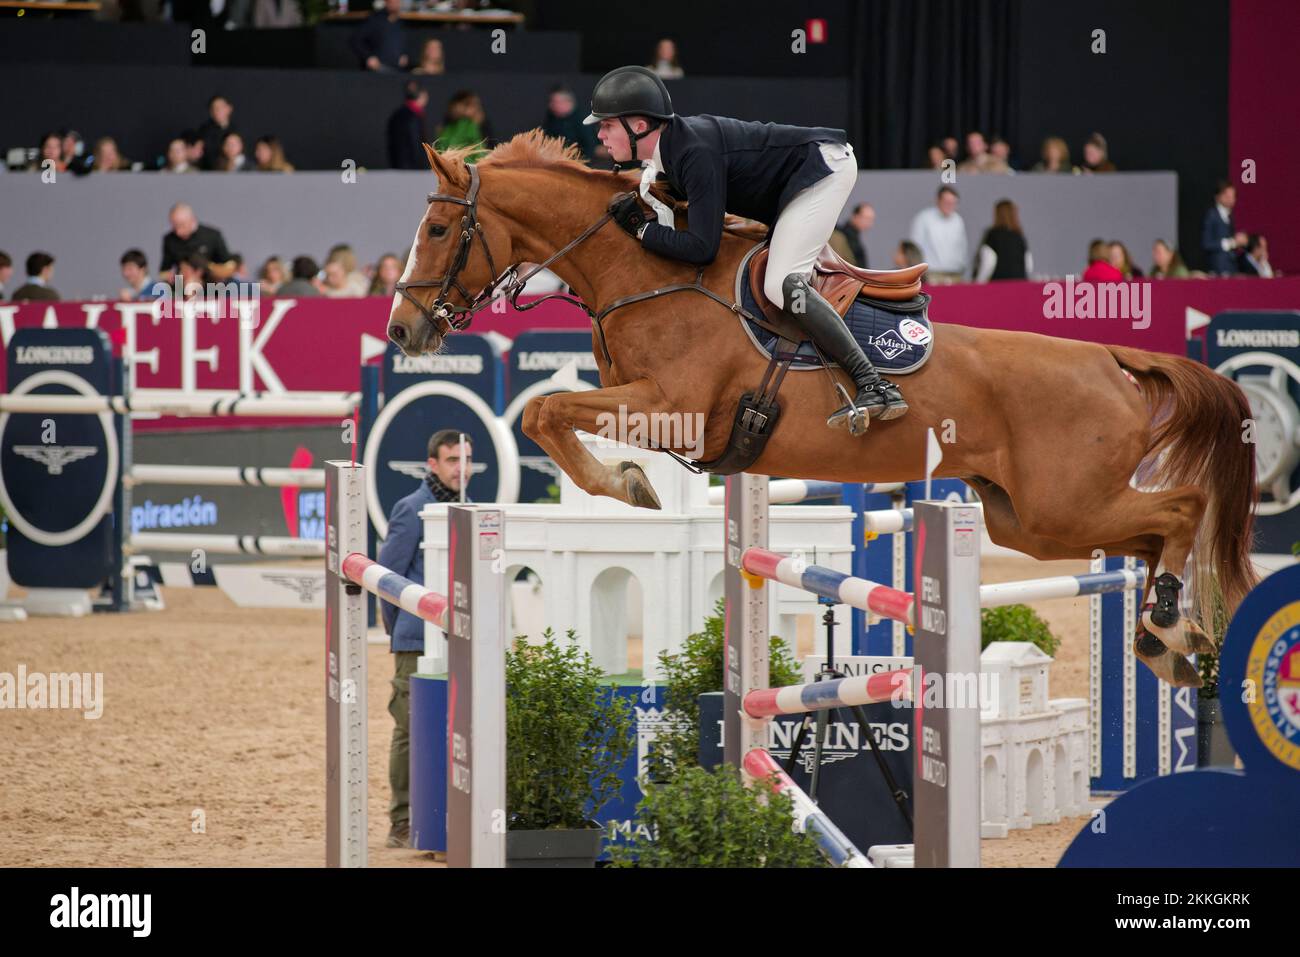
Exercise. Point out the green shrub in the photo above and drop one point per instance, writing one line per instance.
(1016, 623)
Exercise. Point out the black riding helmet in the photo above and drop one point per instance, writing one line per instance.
(631, 91)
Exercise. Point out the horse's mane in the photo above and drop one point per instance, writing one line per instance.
(533, 149)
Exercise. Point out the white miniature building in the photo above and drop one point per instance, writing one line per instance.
(1034, 749)
(587, 549)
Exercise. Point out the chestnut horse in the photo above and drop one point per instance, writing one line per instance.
(1074, 448)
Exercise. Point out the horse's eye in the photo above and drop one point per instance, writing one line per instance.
(436, 231)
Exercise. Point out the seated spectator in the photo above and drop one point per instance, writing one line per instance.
(37, 288)
(563, 121)
(107, 158)
(1055, 157)
(51, 154)
(406, 134)
(188, 237)
(139, 284)
(276, 14)
(950, 146)
(303, 282)
(1099, 267)
(935, 157)
(74, 153)
(1001, 151)
(213, 131)
(241, 271)
(1003, 252)
(6, 272)
(907, 254)
(431, 59)
(194, 275)
(379, 42)
(1166, 263)
(271, 275)
(232, 159)
(1096, 158)
(1253, 260)
(978, 157)
(194, 147)
(269, 156)
(335, 284)
(177, 158)
(387, 272)
(355, 281)
(464, 125)
(665, 62)
(1118, 256)
(849, 238)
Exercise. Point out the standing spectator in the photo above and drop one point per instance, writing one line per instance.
(940, 233)
(1253, 260)
(177, 158)
(449, 458)
(431, 59)
(1096, 157)
(1003, 252)
(1166, 263)
(37, 288)
(269, 156)
(1220, 238)
(1055, 157)
(6, 272)
(849, 238)
(303, 282)
(563, 121)
(1118, 256)
(51, 151)
(187, 238)
(978, 157)
(232, 159)
(464, 125)
(1099, 267)
(271, 276)
(139, 284)
(214, 129)
(406, 134)
(665, 63)
(907, 254)
(275, 14)
(387, 272)
(107, 158)
(379, 43)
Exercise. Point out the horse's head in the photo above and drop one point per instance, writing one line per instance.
(453, 264)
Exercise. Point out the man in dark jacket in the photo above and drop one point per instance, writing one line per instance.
(795, 179)
(40, 270)
(379, 44)
(449, 463)
(406, 135)
(1220, 240)
(562, 120)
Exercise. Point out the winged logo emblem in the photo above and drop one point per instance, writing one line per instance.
(55, 457)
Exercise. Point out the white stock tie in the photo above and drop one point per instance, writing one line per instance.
(662, 212)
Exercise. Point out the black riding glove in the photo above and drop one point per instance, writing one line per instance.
(627, 212)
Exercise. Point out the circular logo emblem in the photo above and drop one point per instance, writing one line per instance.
(1273, 672)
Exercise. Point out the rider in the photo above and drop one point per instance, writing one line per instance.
(795, 179)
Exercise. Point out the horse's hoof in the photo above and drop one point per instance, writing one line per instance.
(1166, 664)
(639, 490)
(1179, 636)
(1202, 644)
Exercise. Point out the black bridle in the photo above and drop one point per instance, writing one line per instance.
(456, 317)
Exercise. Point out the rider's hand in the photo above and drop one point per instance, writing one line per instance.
(627, 212)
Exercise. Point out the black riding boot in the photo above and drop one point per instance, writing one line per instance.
(876, 397)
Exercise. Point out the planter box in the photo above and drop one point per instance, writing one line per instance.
(554, 848)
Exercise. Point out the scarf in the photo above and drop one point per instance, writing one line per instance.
(440, 492)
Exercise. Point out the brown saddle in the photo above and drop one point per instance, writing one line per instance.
(840, 282)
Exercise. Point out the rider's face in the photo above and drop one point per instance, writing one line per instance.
(615, 139)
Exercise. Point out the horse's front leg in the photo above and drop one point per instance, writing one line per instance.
(550, 421)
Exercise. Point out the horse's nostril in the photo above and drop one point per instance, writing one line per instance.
(397, 333)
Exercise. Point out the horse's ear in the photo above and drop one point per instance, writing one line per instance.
(450, 172)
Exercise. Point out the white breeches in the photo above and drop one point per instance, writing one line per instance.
(808, 220)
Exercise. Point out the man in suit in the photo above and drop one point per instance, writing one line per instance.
(40, 270)
(449, 464)
(795, 179)
(1220, 239)
(847, 240)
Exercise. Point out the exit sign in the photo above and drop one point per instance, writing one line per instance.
(815, 30)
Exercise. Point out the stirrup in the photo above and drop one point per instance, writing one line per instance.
(856, 418)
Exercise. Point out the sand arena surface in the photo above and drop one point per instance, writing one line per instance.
(215, 711)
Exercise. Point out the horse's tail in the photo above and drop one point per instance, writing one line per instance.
(1197, 423)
